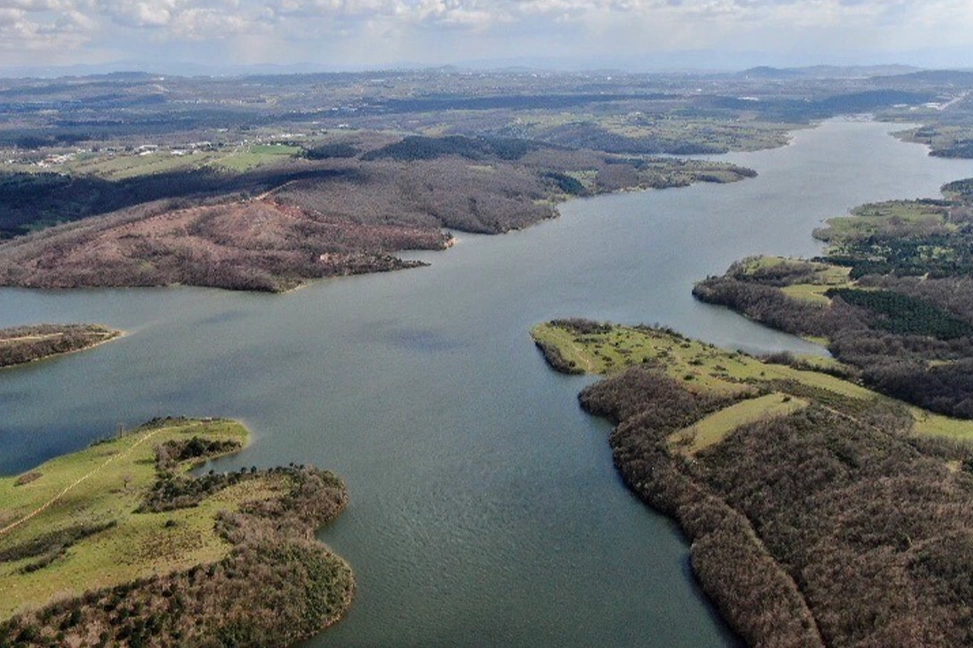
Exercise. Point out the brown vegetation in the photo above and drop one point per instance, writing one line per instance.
(330, 216)
(251, 245)
(829, 526)
(23, 344)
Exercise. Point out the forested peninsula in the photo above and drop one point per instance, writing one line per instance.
(827, 499)
(892, 297)
(22, 344)
(119, 544)
(820, 513)
(320, 211)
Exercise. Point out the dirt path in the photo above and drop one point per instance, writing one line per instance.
(29, 338)
(269, 192)
(583, 357)
(51, 502)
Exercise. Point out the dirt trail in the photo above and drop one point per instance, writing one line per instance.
(269, 192)
(76, 483)
(30, 338)
(583, 357)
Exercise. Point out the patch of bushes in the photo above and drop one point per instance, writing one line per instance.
(417, 147)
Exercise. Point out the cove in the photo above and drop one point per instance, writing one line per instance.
(484, 506)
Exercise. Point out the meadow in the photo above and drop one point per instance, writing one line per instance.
(70, 524)
(109, 545)
(757, 388)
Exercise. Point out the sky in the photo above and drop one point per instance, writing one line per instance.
(355, 34)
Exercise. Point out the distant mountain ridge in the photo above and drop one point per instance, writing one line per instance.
(829, 71)
(191, 69)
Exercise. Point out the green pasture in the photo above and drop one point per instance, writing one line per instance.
(704, 368)
(715, 427)
(99, 486)
(872, 218)
(255, 155)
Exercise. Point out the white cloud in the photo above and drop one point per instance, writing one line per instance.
(369, 30)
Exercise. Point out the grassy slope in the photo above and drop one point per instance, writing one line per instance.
(254, 156)
(871, 218)
(118, 545)
(825, 277)
(714, 428)
(707, 369)
(106, 483)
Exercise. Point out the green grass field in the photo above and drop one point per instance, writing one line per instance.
(100, 486)
(704, 368)
(824, 277)
(256, 155)
(808, 292)
(872, 218)
(714, 428)
(131, 165)
(127, 165)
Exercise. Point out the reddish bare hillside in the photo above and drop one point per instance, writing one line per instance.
(254, 245)
(330, 217)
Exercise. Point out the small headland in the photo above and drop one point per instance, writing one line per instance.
(119, 544)
(22, 344)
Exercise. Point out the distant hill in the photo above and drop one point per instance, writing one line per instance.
(827, 71)
(939, 77)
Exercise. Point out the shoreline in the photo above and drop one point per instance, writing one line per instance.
(113, 334)
(26, 262)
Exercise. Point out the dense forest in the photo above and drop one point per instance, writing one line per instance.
(831, 526)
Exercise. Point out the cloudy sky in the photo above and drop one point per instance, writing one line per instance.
(347, 34)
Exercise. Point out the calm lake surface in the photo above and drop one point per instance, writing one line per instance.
(485, 509)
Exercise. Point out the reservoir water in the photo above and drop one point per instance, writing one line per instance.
(485, 509)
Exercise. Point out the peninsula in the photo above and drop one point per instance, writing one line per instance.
(22, 344)
(892, 297)
(119, 544)
(820, 513)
